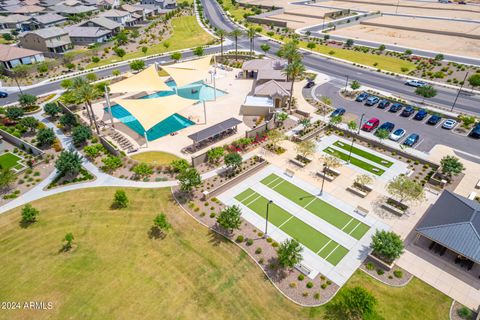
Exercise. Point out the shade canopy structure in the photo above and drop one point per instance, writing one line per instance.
(150, 112)
(214, 130)
(190, 71)
(146, 80)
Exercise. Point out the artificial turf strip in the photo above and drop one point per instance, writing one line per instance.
(9, 160)
(348, 224)
(364, 154)
(294, 227)
(355, 161)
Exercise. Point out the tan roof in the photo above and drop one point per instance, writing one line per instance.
(262, 64)
(114, 13)
(271, 74)
(147, 80)
(190, 71)
(8, 53)
(31, 2)
(29, 9)
(272, 88)
(14, 18)
(149, 112)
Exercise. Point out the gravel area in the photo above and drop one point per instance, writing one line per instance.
(387, 276)
(455, 309)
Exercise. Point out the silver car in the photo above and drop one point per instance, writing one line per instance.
(397, 134)
(449, 124)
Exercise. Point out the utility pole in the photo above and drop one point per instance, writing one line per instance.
(353, 137)
(459, 90)
(266, 221)
(346, 83)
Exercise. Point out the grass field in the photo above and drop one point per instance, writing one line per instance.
(321, 209)
(187, 33)
(117, 272)
(155, 157)
(9, 160)
(236, 11)
(364, 154)
(355, 161)
(294, 227)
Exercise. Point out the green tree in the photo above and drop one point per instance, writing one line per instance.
(382, 134)
(198, 51)
(290, 51)
(265, 47)
(111, 163)
(353, 304)
(289, 253)
(66, 84)
(233, 161)
(52, 109)
(121, 38)
(387, 245)
(363, 179)
(161, 223)
(80, 134)
(474, 80)
(306, 148)
(30, 122)
(311, 45)
(68, 240)
(68, 120)
(189, 178)
(281, 117)
(45, 137)
(451, 166)
(7, 177)
(251, 37)
(92, 151)
(439, 57)
(7, 36)
(352, 125)
(405, 189)
(176, 56)
(275, 136)
(29, 214)
(293, 71)
(120, 200)
(142, 170)
(91, 77)
(137, 65)
(42, 67)
(335, 120)
(116, 73)
(355, 85)
(426, 92)
(14, 113)
(69, 163)
(349, 42)
(85, 93)
(230, 218)
(215, 154)
(236, 33)
(179, 165)
(381, 47)
(221, 34)
(120, 52)
(144, 50)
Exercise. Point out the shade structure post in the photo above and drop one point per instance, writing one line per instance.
(107, 99)
(214, 81)
(146, 138)
(204, 111)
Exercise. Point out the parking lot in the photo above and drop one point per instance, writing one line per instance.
(429, 135)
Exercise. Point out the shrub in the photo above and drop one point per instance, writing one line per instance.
(309, 285)
(301, 277)
(120, 199)
(240, 238)
(292, 285)
(269, 240)
(370, 266)
(323, 286)
(316, 296)
(212, 215)
(398, 273)
(249, 242)
(380, 272)
(258, 250)
(465, 313)
(275, 244)
(260, 234)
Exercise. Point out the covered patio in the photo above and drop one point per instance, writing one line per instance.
(215, 133)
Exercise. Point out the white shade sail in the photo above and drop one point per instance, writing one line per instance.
(146, 80)
(150, 112)
(189, 71)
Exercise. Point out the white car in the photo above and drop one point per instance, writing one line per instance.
(397, 134)
(449, 124)
(415, 83)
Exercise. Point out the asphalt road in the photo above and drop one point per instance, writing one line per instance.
(429, 135)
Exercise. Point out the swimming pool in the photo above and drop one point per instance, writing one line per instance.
(195, 91)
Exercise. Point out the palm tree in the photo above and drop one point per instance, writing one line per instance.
(235, 34)
(293, 71)
(251, 36)
(290, 51)
(86, 93)
(221, 34)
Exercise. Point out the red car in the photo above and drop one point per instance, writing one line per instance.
(370, 124)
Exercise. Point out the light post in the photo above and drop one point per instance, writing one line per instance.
(458, 93)
(346, 83)
(323, 180)
(266, 221)
(353, 137)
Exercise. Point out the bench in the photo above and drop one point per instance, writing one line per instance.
(289, 173)
(375, 169)
(357, 191)
(298, 163)
(303, 269)
(472, 195)
(361, 211)
(326, 176)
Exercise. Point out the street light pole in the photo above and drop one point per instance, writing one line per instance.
(323, 180)
(266, 221)
(459, 90)
(353, 137)
(346, 83)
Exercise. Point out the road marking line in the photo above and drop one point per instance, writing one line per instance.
(332, 252)
(326, 244)
(359, 223)
(347, 224)
(280, 226)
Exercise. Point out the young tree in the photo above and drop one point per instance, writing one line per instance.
(229, 218)
(111, 163)
(355, 85)
(382, 134)
(221, 34)
(142, 170)
(335, 120)
(426, 92)
(451, 166)
(161, 223)
(30, 122)
(387, 245)
(326, 100)
(265, 47)
(352, 125)
(330, 161)
(29, 214)
(121, 38)
(189, 179)
(137, 65)
(179, 165)
(251, 36)
(353, 304)
(27, 100)
(290, 51)
(381, 47)
(68, 239)
(349, 42)
(215, 154)
(80, 134)
(474, 80)
(52, 109)
(7, 177)
(120, 52)
(363, 179)
(14, 113)
(69, 163)
(120, 200)
(306, 148)
(305, 122)
(289, 253)
(68, 120)
(198, 51)
(293, 70)
(91, 77)
(405, 189)
(281, 117)
(275, 136)
(116, 73)
(45, 137)
(233, 161)
(176, 56)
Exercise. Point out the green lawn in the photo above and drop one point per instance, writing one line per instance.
(364, 154)
(355, 161)
(236, 11)
(294, 227)
(155, 157)
(9, 160)
(187, 33)
(321, 209)
(117, 272)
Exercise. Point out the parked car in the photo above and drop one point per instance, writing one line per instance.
(395, 107)
(383, 104)
(462, 2)
(434, 119)
(371, 101)
(415, 83)
(310, 84)
(3, 94)
(370, 124)
(362, 97)
(411, 140)
(475, 133)
(449, 124)
(421, 114)
(386, 126)
(397, 134)
(408, 111)
(338, 112)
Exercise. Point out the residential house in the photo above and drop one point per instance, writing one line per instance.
(71, 3)
(30, 2)
(125, 18)
(26, 10)
(11, 56)
(54, 40)
(105, 23)
(47, 20)
(137, 10)
(84, 36)
(15, 22)
(160, 4)
(108, 4)
(67, 11)
(49, 3)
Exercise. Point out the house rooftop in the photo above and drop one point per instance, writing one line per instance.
(454, 222)
(131, 8)
(8, 53)
(104, 23)
(26, 9)
(114, 13)
(61, 8)
(49, 32)
(271, 74)
(49, 18)
(272, 88)
(87, 32)
(14, 18)
(262, 64)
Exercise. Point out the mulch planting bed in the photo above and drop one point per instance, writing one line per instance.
(396, 277)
